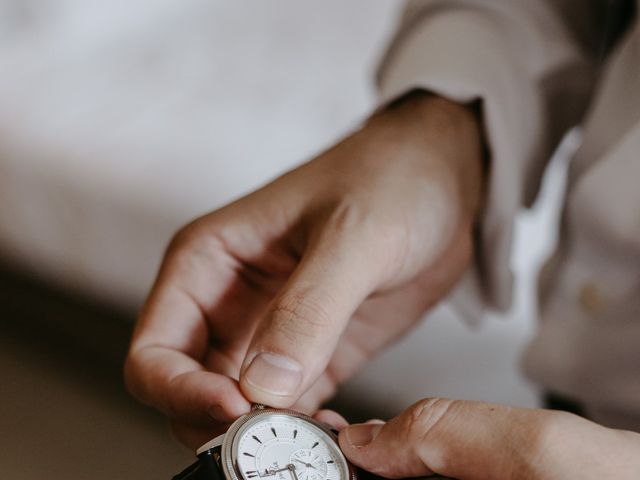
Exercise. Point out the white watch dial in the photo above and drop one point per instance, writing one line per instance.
(284, 447)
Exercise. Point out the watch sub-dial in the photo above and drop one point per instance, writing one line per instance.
(309, 465)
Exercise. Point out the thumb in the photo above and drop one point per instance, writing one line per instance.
(457, 439)
(296, 338)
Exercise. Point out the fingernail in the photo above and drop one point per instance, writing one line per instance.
(363, 434)
(274, 374)
(216, 412)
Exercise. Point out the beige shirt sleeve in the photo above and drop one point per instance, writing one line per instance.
(523, 60)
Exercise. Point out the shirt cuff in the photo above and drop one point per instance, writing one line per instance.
(462, 55)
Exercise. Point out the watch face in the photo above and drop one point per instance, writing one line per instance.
(283, 445)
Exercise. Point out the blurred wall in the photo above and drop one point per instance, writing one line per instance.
(121, 120)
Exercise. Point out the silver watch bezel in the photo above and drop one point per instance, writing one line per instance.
(228, 459)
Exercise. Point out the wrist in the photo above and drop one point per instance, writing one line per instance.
(415, 171)
(447, 134)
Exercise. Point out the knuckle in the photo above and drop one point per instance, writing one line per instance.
(421, 425)
(182, 238)
(193, 245)
(179, 249)
(351, 218)
(348, 215)
(424, 416)
(378, 233)
(300, 314)
(197, 235)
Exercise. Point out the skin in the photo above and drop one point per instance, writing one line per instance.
(475, 440)
(318, 271)
(324, 266)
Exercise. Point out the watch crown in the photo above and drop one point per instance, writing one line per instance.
(258, 406)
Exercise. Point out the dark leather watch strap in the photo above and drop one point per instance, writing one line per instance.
(205, 468)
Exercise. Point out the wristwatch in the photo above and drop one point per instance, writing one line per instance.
(275, 444)
(272, 444)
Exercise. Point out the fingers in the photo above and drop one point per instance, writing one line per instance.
(179, 386)
(298, 335)
(163, 370)
(459, 439)
(331, 418)
(164, 367)
(323, 389)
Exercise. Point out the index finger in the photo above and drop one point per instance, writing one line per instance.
(181, 388)
(164, 366)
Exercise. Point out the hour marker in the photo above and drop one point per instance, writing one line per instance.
(256, 439)
(329, 461)
(295, 434)
(314, 445)
(251, 474)
(274, 432)
(249, 455)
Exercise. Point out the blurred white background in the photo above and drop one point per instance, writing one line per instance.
(122, 120)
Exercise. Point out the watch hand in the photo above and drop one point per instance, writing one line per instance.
(272, 472)
(292, 469)
(288, 467)
(305, 464)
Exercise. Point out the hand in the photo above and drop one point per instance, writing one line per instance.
(473, 440)
(283, 294)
